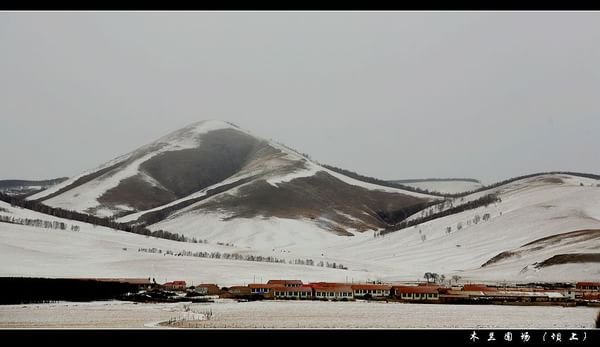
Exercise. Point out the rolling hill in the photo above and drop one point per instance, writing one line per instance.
(443, 185)
(257, 199)
(215, 168)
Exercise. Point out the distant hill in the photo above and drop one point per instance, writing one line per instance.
(442, 185)
(26, 187)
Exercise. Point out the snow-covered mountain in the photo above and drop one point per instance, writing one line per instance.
(249, 196)
(214, 170)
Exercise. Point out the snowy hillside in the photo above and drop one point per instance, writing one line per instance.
(531, 209)
(249, 197)
(96, 251)
(546, 228)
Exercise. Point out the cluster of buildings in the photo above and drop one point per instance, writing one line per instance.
(581, 292)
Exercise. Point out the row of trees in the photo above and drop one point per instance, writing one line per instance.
(39, 223)
(476, 220)
(377, 181)
(510, 180)
(245, 257)
(86, 218)
(452, 195)
(470, 205)
(441, 279)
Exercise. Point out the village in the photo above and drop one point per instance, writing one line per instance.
(564, 294)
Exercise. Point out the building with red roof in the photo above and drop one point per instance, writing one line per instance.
(373, 290)
(286, 283)
(333, 292)
(175, 285)
(301, 292)
(588, 286)
(478, 288)
(207, 289)
(416, 293)
(265, 290)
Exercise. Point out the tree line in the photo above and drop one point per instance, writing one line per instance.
(39, 223)
(513, 179)
(86, 218)
(380, 182)
(245, 257)
(482, 201)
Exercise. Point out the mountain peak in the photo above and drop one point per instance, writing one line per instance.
(188, 136)
(210, 124)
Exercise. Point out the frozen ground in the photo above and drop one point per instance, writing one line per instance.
(295, 314)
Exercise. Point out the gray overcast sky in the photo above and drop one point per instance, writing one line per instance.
(391, 95)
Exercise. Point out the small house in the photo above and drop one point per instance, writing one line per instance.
(208, 289)
(175, 285)
(239, 291)
(201, 290)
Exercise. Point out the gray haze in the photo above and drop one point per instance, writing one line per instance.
(390, 95)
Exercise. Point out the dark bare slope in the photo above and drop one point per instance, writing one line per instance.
(563, 239)
(176, 174)
(137, 193)
(104, 172)
(570, 258)
(221, 154)
(322, 198)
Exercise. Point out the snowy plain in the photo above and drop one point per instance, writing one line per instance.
(295, 314)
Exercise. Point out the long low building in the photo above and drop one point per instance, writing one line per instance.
(417, 293)
(301, 292)
(335, 292)
(372, 290)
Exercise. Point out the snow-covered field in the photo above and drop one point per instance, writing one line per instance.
(295, 314)
(102, 252)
